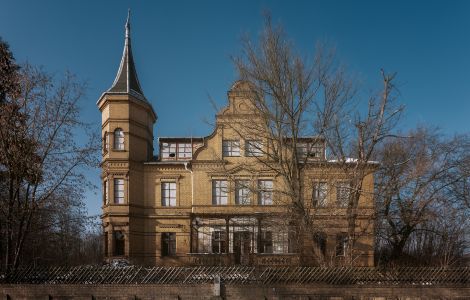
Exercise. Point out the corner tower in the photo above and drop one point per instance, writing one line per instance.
(127, 133)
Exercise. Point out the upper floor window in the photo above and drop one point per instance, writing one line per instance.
(242, 192)
(168, 194)
(253, 148)
(118, 139)
(105, 142)
(168, 150)
(309, 150)
(320, 190)
(219, 192)
(343, 190)
(185, 151)
(105, 192)
(168, 243)
(230, 148)
(265, 192)
(118, 191)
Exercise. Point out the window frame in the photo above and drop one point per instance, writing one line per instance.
(320, 194)
(116, 198)
(219, 241)
(119, 140)
(242, 192)
(263, 190)
(253, 150)
(168, 244)
(219, 192)
(106, 192)
(167, 200)
(231, 148)
(166, 151)
(341, 246)
(341, 187)
(187, 154)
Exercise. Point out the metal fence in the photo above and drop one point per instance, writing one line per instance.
(240, 275)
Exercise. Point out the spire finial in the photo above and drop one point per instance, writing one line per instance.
(128, 24)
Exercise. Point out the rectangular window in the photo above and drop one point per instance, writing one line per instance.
(342, 193)
(319, 238)
(185, 151)
(230, 148)
(105, 192)
(168, 194)
(265, 192)
(320, 190)
(242, 192)
(118, 191)
(266, 242)
(118, 139)
(119, 243)
(341, 244)
(253, 148)
(309, 150)
(218, 241)
(168, 151)
(219, 192)
(168, 243)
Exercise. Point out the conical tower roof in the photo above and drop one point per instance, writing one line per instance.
(126, 79)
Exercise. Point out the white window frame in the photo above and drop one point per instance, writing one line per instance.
(219, 192)
(119, 191)
(118, 139)
(231, 148)
(343, 192)
(320, 194)
(253, 148)
(185, 151)
(242, 192)
(168, 192)
(167, 150)
(265, 195)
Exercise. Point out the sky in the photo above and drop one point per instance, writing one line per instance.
(183, 51)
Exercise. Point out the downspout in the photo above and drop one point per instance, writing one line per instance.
(192, 185)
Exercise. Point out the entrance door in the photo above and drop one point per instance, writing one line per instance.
(242, 247)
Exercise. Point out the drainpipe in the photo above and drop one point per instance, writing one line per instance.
(192, 185)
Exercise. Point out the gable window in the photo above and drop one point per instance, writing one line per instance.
(341, 244)
(219, 192)
(105, 192)
(265, 195)
(118, 139)
(168, 150)
(230, 148)
(320, 190)
(168, 244)
(119, 242)
(185, 151)
(342, 193)
(242, 192)
(118, 191)
(253, 148)
(218, 241)
(168, 194)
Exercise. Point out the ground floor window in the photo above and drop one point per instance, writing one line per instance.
(168, 243)
(341, 244)
(119, 243)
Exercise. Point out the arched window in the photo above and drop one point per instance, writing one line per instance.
(118, 139)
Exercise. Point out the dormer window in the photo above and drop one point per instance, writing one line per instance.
(230, 148)
(169, 151)
(118, 139)
(185, 151)
(309, 151)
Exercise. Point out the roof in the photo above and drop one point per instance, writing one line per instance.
(126, 79)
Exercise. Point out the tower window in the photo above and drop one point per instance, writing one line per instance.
(119, 243)
(230, 148)
(168, 194)
(105, 192)
(105, 142)
(119, 191)
(118, 139)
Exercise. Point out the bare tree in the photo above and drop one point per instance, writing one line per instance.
(422, 191)
(301, 102)
(40, 159)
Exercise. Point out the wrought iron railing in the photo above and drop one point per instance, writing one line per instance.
(240, 275)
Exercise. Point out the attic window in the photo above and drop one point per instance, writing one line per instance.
(168, 150)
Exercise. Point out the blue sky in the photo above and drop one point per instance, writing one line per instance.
(182, 51)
